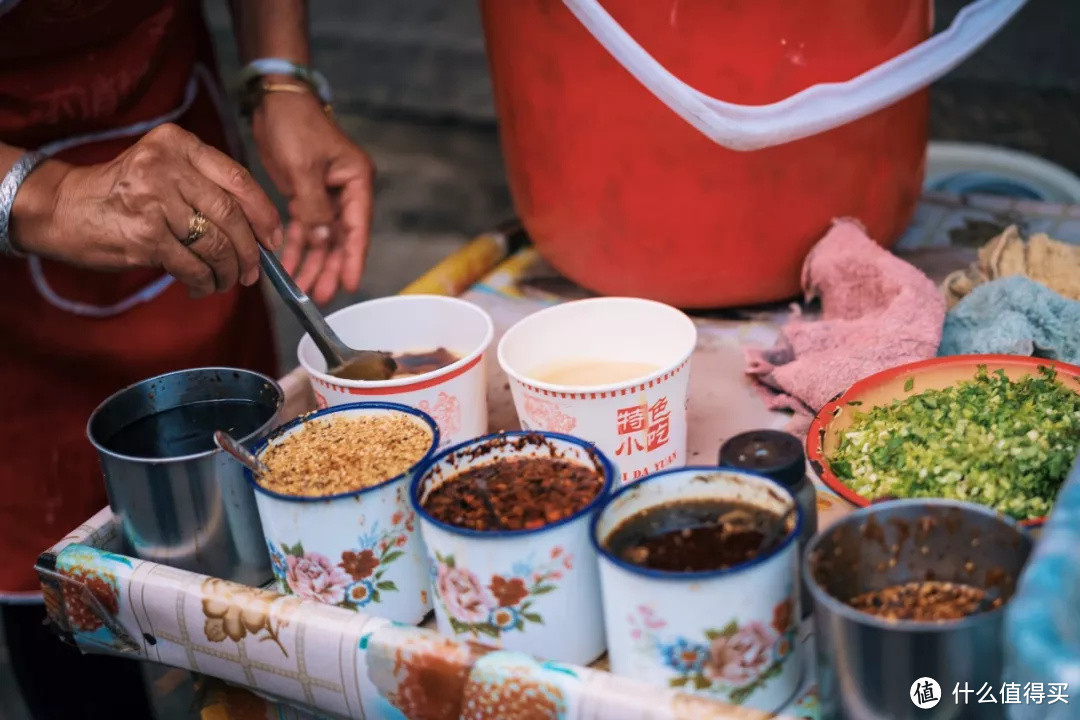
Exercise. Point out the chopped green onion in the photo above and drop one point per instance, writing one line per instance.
(990, 440)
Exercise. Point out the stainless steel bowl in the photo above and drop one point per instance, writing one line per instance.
(190, 510)
(867, 665)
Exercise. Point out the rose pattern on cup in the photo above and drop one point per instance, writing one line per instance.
(235, 611)
(546, 415)
(357, 579)
(733, 661)
(314, 576)
(505, 604)
(447, 414)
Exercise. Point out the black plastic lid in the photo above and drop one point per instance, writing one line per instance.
(769, 452)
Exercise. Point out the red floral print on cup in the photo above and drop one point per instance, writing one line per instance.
(546, 415)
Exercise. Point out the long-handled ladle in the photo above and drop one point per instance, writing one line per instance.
(341, 360)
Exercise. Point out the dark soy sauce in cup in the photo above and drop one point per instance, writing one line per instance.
(424, 362)
(188, 429)
(696, 535)
(416, 363)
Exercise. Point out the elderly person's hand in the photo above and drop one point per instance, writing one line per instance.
(328, 181)
(137, 210)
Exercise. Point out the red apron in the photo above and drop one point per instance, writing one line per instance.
(73, 68)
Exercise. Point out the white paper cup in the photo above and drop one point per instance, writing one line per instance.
(454, 395)
(730, 633)
(533, 591)
(639, 424)
(359, 550)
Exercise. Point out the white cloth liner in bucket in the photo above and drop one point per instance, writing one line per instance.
(817, 108)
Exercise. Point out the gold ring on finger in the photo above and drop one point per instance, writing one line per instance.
(198, 225)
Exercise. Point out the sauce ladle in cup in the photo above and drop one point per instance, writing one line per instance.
(778, 531)
(485, 496)
(341, 360)
(226, 442)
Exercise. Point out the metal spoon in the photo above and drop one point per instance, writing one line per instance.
(481, 484)
(226, 442)
(341, 360)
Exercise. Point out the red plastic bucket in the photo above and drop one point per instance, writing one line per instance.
(631, 180)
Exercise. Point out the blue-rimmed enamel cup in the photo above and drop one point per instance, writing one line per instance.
(360, 550)
(730, 633)
(533, 591)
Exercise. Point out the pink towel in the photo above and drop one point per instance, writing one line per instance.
(877, 312)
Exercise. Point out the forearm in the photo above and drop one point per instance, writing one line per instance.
(34, 202)
(271, 28)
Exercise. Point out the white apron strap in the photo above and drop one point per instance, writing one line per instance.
(154, 289)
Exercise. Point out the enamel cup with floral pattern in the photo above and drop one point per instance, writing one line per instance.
(730, 633)
(533, 591)
(358, 550)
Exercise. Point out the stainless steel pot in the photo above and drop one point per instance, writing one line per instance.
(178, 499)
(866, 665)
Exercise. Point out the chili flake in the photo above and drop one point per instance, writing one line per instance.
(923, 601)
(516, 494)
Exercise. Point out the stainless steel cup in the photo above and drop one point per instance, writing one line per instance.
(192, 511)
(867, 666)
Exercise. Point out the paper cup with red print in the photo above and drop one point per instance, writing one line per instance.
(455, 395)
(638, 422)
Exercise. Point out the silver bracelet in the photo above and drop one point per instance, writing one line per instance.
(8, 187)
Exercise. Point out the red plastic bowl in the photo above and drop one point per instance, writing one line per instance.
(889, 385)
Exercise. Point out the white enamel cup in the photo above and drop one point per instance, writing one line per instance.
(359, 550)
(454, 395)
(639, 424)
(730, 633)
(533, 591)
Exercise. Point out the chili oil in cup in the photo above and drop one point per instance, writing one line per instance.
(505, 520)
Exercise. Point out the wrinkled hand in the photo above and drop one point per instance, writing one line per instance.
(135, 210)
(328, 181)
